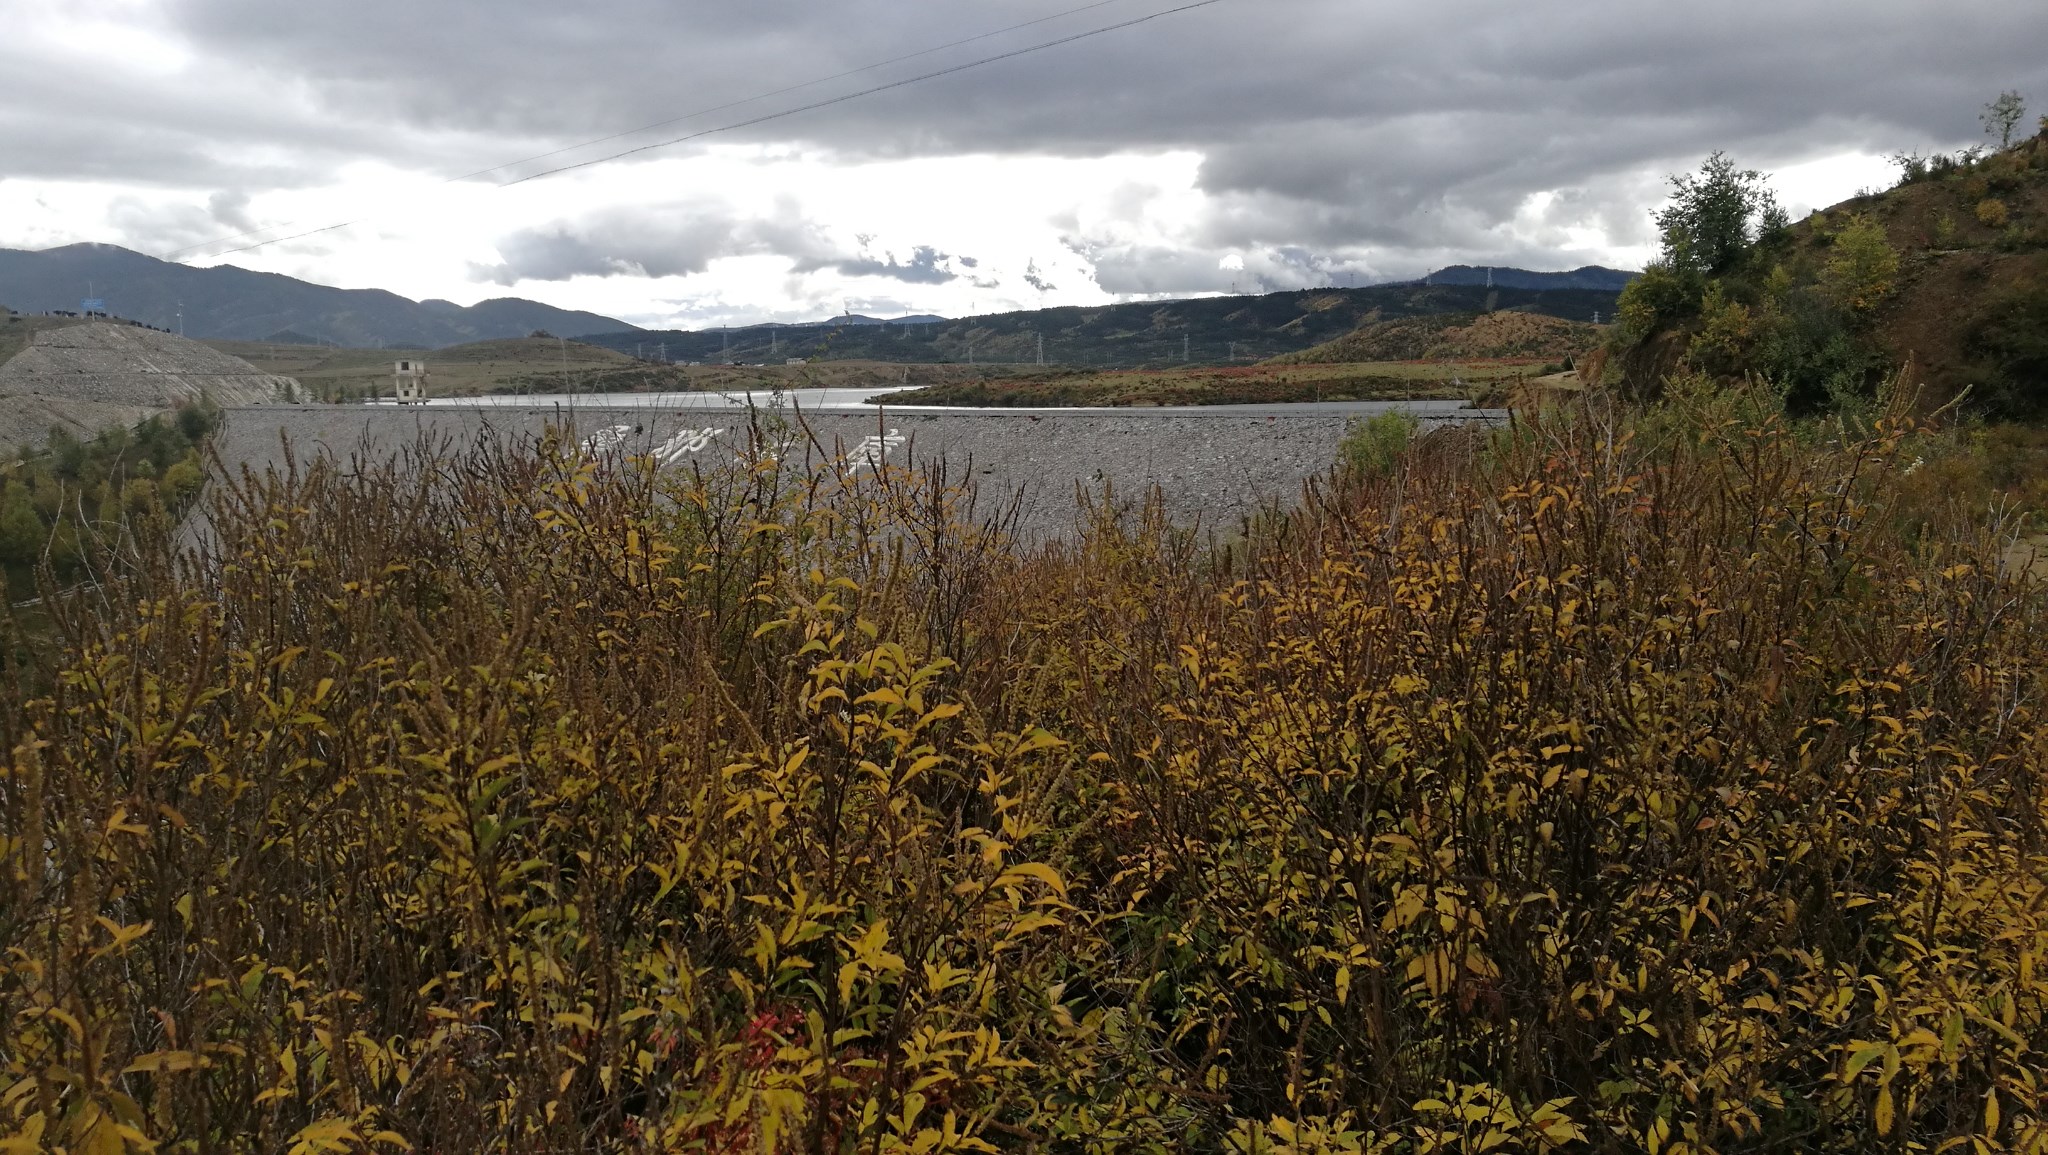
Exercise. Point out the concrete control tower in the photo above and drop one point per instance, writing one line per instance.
(411, 380)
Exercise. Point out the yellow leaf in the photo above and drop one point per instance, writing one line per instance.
(1029, 923)
(58, 1014)
(1038, 739)
(324, 1135)
(1037, 870)
(119, 823)
(101, 1135)
(162, 1062)
(1884, 1111)
(1863, 1057)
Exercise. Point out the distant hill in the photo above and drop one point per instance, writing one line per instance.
(855, 319)
(228, 303)
(1455, 337)
(1208, 331)
(1595, 277)
(89, 376)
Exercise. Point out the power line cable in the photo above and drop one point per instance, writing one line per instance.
(894, 84)
(773, 116)
(800, 87)
(174, 254)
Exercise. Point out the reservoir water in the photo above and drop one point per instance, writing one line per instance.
(849, 401)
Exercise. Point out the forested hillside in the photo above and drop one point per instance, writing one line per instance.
(1207, 331)
(1948, 271)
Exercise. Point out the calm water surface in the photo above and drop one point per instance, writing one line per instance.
(862, 401)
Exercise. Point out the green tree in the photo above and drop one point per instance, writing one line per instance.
(1663, 294)
(65, 551)
(197, 420)
(1726, 330)
(2008, 343)
(67, 452)
(2003, 115)
(140, 496)
(1715, 215)
(1811, 349)
(1862, 268)
(1373, 447)
(181, 481)
(21, 531)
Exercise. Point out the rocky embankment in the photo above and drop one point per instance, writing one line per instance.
(90, 377)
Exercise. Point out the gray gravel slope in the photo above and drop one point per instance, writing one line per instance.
(91, 377)
(1211, 466)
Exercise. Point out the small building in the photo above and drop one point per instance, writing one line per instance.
(410, 378)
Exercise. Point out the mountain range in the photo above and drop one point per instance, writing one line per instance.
(223, 302)
(1596, 277)
(851, 319)
(1203, 330)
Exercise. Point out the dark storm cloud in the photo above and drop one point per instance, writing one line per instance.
(1328, 125)
(925, 267)
(1036, 280)
(674, 241)
(225, 121)
(231, 210)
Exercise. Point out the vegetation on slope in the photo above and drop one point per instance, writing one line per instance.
(1948, 271)
(1458, 337)
(68, 508)
(1143, 334)
(1613, 783)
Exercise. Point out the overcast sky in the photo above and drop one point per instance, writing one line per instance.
(1247, 145)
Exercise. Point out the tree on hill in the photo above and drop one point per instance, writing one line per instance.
(1733, 297)
(1716, 215)
(2003, 115)
(1862, 267)
(22, 535)
(1715, 220)
(2008, 343)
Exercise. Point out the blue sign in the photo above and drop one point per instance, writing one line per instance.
(92, 305)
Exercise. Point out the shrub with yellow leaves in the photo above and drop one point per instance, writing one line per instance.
(1615, 781)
